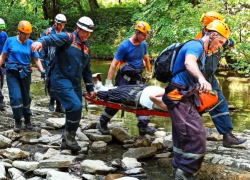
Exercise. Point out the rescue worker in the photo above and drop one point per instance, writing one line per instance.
(130, 57)
(3, 38)
(181, 98)
(47, 55)
(17, 56)
(70, 65)
(220, 114)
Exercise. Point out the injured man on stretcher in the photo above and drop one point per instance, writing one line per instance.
(138, 96)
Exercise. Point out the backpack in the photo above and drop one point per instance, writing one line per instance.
(163, 65)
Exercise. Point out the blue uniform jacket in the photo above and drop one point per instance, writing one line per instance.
(44, 53)
(71, 64)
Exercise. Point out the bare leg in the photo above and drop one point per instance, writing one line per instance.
(157, 99)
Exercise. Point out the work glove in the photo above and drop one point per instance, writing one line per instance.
(108, 83)
(148, 76)
(42, 74)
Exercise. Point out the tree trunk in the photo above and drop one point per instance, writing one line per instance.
(93, 5)
(195, 3)
(79, 7)
(50, 8)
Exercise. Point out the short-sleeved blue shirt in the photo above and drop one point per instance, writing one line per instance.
(3, 38)
(192, 47)
(132, 54)
(17, 52)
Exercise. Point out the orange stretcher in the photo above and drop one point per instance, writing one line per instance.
(122, 107)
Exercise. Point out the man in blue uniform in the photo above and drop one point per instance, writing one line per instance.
(47, 55)
(71, 64)
(130, 58)
(220, 114)
(3, 38)
(181, 98)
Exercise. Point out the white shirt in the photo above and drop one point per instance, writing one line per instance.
(144, 99)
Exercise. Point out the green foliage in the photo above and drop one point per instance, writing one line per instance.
(23, 10)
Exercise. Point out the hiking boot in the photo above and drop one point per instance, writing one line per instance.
(18, 125)
(51, 104)
(142, 130)
(229, 140)
(69, 141)
(28, 123)
(59, 107)
(103, 126)
(182, 175)
(2, 104)
(150, 130)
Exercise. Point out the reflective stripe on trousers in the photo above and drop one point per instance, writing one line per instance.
(220, 114)
(19, 93)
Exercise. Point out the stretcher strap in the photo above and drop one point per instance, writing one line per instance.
(148, 112)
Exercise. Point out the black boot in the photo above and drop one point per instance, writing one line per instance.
(59, 107)
(2, 104)
(18, 125)
(142, 130)
(103, 126)
(69, 141)
(51, 104)
(229, 140)
(28, 123)
(182, 175)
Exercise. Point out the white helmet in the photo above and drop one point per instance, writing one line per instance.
(86, 24)
(2, 24)
(60, 18)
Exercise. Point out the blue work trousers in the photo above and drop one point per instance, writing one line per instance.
(220, 115)
(108, 112)
(71, 99)
(19, 93)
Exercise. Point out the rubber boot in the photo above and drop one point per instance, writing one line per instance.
(59, 107)
(182, 175)
(142, 130)
(28, 123)
(2, 104)
(18, 125)
(51, 104)
(103, 126)
(69, 141)
(229, 140)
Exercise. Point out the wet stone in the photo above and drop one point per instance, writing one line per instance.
(134, 171)
(55, 122)
(14, 153)
(99, 147)
(43, 171)
(130, 163)
(140, 153)
(56, 175)
(57, 161)
(96, 167)
(120, 134)
(96, 137)
(26, 166)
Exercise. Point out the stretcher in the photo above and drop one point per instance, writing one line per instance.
(138, 111)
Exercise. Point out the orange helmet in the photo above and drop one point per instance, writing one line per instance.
(208, 17)
(24, 26)
(143, 27)
(220, 27)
